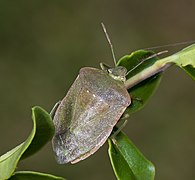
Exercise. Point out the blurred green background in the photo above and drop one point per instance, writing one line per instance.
(43, 44)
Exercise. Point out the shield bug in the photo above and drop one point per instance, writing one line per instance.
(85, 118)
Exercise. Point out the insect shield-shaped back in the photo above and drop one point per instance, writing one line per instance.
(86, 116)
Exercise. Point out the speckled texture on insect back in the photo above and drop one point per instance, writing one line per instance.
(86, 116)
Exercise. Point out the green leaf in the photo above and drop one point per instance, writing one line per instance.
(137, 61)
(185, 59)
(9, 161)
(190, 70)
(141, 92)
(43, 130)
(30, 175)
(145, 73)
(127, 161)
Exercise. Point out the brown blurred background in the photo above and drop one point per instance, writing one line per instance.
(43, 44)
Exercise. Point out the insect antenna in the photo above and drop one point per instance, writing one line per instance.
(162, 52)
(171, 45)
(109, 41)
(145, 59)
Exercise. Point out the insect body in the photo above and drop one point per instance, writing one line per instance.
(86, 116)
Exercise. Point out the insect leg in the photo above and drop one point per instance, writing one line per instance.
(118, 129)
(52, 113)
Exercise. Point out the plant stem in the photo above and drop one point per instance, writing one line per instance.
(157, 67)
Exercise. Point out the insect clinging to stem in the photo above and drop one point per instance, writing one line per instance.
(85, 117)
